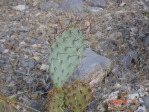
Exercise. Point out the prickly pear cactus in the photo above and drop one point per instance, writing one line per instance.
(78, 96)
(65, 55)
(55, 102)
(6, 107)
(10, 105)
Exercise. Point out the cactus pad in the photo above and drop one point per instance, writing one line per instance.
(5, 107)
(65, 55)
(78, 96)
(10, 105)
(55, 101)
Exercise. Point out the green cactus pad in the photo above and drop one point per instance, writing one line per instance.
(4, 107)
(10, 105)
(65, 55)
(78, 96)
(55, 102)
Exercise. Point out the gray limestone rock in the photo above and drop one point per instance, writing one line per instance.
(93, 67)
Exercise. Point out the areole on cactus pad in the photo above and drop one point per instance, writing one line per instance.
(65, 55)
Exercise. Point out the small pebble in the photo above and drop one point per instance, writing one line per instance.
(44, 67)
(6, 51)
(20, 7)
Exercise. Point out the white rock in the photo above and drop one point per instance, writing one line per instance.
(95, 9)
(35, 2)
(109, 28)
(117, 86)
(49, 14)
(44, 67)
(122, 4)
(6, 51)
(134, 29)
(87, 23)
(19, 7)
(26, 56)
(22, 43)
(2, 40)
(38, 14)
(34, 46)
(36, 58)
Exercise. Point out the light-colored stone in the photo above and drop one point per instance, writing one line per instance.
(22, 44)
(2, 40)
(134, 29)
(109, 28)
(122, 4)
(44, 67)
(95, 9)
(20, 7)
(36, 46)
(36, 58)
(6, 51)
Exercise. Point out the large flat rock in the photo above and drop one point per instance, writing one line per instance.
(93, 67)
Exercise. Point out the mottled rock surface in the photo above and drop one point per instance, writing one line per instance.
(93, 67)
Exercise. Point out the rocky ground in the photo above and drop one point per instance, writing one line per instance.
(115, 29)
